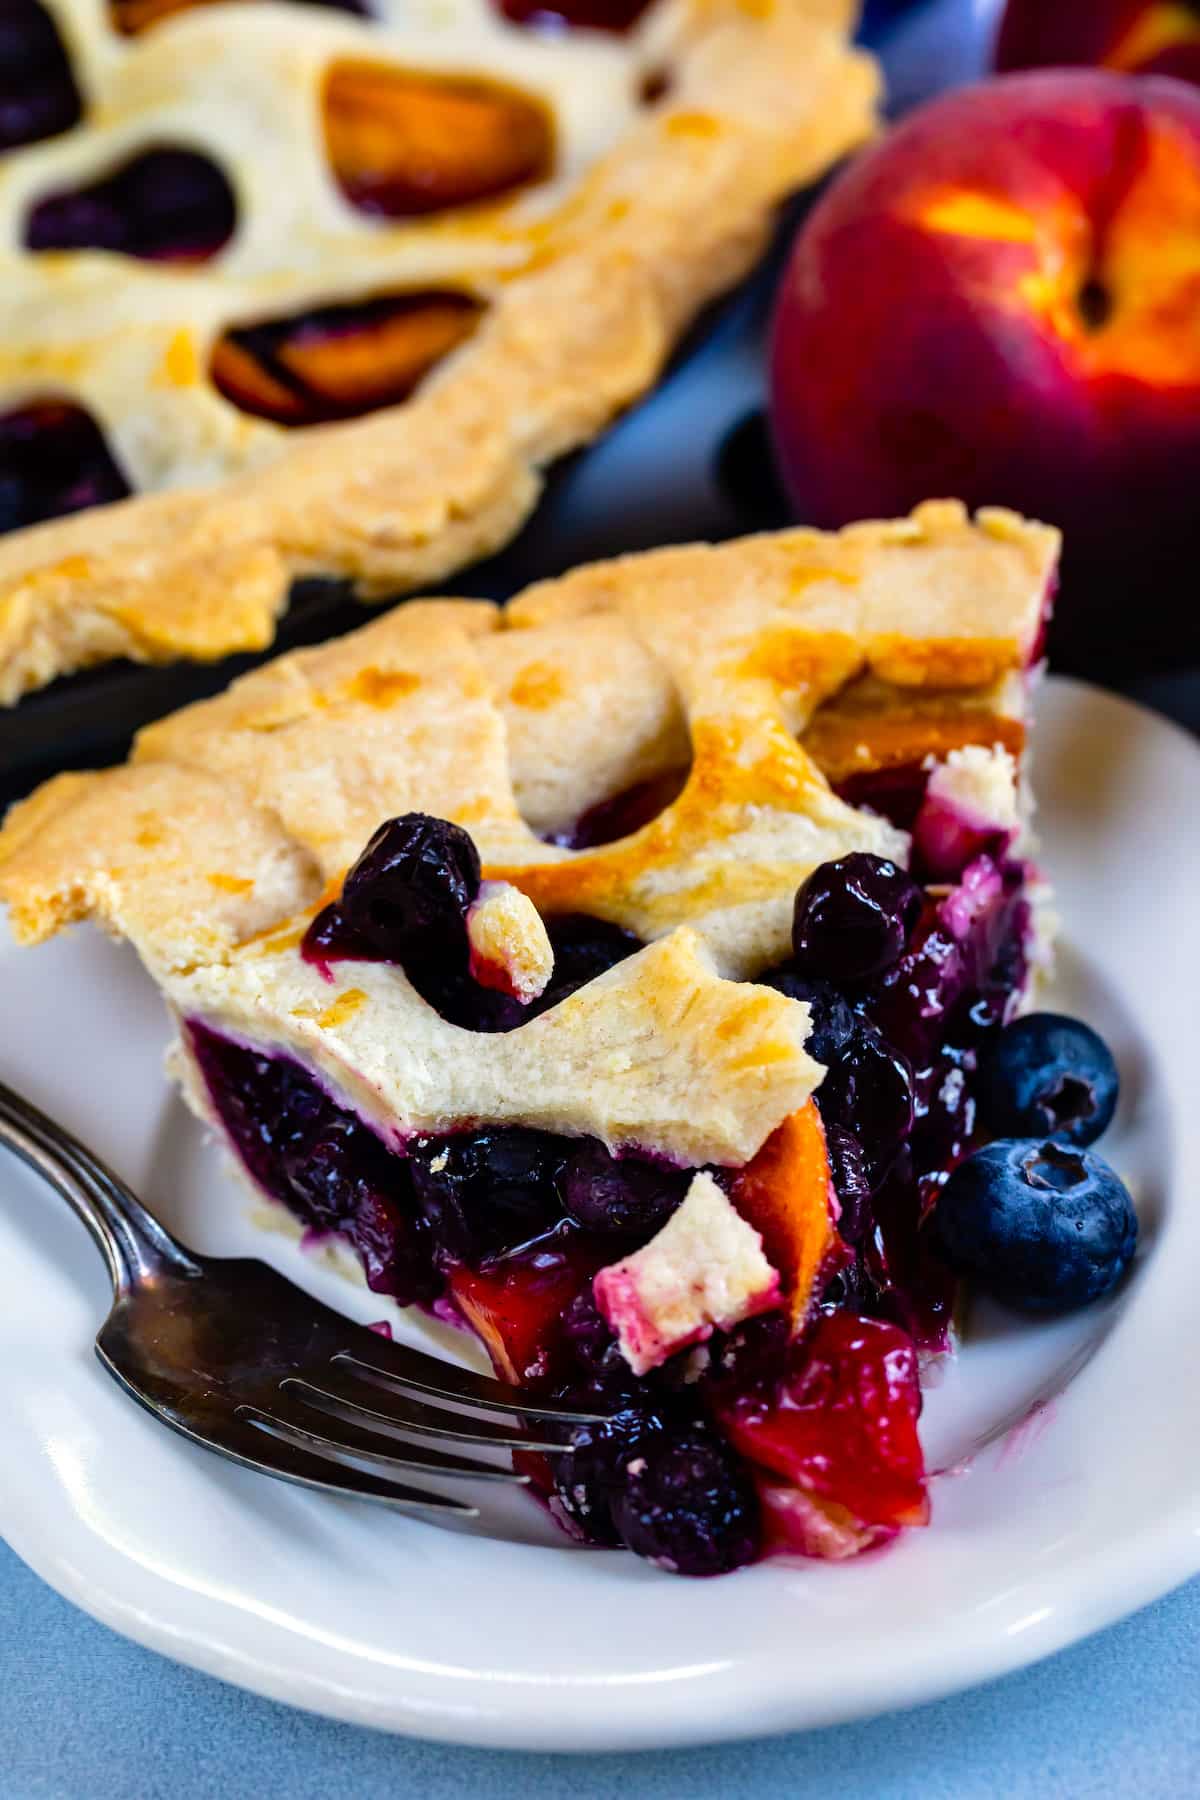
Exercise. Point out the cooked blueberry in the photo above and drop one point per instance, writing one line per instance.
(853, 916)
(409, 892)
(1049, 1076)
(38, 95)
(832, 1021)
(53, 460)
(166, 205)
(487, 1191)
(851, 1181)
(593, 1342)
(591, 1473)
(622, 1194)
(687, 1503)
(869, 1093)
(320, 1160)
(323, 1168)
(1042, 1225)
(584, 947)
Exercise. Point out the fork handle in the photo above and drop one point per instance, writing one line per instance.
(131, 1240)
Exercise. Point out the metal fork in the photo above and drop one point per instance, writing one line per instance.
(232, 1356)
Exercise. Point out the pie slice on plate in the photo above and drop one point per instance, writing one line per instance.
(609, 973)
(327, 286)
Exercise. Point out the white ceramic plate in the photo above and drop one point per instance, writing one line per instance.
(1087, 1507)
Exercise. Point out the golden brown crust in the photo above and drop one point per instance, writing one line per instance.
(579, 324)
(727, 657)
(237, 816)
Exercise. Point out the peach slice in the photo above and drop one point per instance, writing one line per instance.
(786, 1193)
(342, 361)
(401, 144)
(515, 1305)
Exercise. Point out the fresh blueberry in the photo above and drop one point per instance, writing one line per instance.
(869, 1093)
(409, 892)
(1049, 1076)
(852, 917)
(487, 1191)
(851, 1181)
(831, 1019)
(688, 1504)
(622, 1194)
(1043, 1226)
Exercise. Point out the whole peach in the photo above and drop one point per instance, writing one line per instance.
(1001, 302)
(1143, 37)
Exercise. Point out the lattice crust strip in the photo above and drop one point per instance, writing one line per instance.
(235, 818)
(585, 280)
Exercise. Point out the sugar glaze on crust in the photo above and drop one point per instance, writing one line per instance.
(586, 286)
(235, 818)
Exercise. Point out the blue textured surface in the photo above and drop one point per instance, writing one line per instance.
(87, 1716)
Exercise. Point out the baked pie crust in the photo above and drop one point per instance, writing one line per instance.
(236, 818)
(585, 280)
(476, 1168)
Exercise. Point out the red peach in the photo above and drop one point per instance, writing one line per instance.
(1140, 37)
(1001, 302)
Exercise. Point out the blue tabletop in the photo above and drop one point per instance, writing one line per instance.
(86, 1716)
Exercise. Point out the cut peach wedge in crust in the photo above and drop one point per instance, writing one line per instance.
(404, 142)
(786, 1193)
(515, 1307)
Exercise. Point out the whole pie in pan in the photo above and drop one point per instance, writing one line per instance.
(326, 287)
(610, 974)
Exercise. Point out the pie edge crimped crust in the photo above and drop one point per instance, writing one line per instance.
(188, 850)
(767, 97)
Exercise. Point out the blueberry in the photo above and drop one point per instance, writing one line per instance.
(832, 1021)
(851, 1181)
(1049, 1076)
(321, 1161)
(870, 1094)
(589, 1475)
(1043, 1226)
(853, 916)
(584, 947)
(38, 95)
(409, 892)
(487, 1191)
(687, 1503)
(592, 1342)
(621, 1194)
(164, 205)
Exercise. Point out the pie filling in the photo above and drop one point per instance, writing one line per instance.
(53, 460)
(38, 96)
(338, 362)
(784, 1413)
(401, 144)
(616, 16)
(164, 206)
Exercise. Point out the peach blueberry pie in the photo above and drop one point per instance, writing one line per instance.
(324, 288)
(614, 973)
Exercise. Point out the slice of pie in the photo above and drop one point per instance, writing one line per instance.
(609, 973)
(327, 286)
